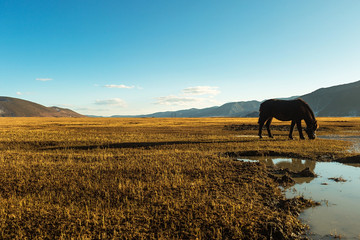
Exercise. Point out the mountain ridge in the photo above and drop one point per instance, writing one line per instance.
(334, 101)
(234, 109)
(15, 107)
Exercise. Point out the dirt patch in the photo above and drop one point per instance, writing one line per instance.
(293, 206)
(338, 179)
(285, 177)
(284, 180)
(351, 159)
(303, 173)
(297, 204)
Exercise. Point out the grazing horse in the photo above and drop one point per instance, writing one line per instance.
(288, 110)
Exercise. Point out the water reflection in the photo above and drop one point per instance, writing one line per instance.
(293, 164)
(339, 213)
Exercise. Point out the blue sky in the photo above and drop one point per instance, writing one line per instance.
(140, 56)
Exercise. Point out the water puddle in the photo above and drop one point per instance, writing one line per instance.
(336, 187)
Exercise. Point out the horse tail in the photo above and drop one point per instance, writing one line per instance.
(262, 108)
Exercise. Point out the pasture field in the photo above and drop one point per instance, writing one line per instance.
(147, 178)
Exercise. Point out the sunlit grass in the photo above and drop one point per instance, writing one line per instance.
(148, 178)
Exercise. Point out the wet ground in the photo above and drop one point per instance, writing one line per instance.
(354, 139)
(336, 187)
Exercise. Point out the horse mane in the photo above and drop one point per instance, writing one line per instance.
(308, 108)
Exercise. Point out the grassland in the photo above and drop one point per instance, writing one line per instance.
(89, 178)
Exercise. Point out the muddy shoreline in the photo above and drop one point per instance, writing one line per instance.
(298, 205)
(285, 177)
(270, 153)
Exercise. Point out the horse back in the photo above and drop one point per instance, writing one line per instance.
(284, 110)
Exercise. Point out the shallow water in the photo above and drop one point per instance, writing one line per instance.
(339, 213)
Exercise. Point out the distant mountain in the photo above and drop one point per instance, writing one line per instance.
(235, 109)
(14, 107)
(337, 101)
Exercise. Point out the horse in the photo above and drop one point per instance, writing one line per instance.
(288, 110)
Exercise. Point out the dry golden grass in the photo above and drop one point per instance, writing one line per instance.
(93, 178)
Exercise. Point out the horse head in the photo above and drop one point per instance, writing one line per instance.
(310, 129)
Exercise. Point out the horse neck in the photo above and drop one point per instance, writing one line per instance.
(309, 115)
(308, 121)
(309, 118)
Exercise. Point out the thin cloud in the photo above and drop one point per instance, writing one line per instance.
(90, 109)
(65, 105)
(112, 102)
(177, 100)
(201, 90)
(23, 93)
(44, 79)
(190, 95)
(118, 86)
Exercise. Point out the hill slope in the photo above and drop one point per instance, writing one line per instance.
(14, 107)
(234, 109)
(337, 101)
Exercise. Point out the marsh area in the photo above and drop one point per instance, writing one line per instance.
(336, 188)
(150, 178)
(354, 139)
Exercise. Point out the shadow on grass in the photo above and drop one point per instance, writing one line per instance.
(145, 145)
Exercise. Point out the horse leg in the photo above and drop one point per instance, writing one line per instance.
(261, 124)
(268, 122)
(291, 129)
(298, 125)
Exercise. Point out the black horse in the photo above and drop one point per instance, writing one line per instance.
(288, 110)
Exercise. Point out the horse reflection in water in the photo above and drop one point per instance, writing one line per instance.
(293, 164)
(288, 110)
